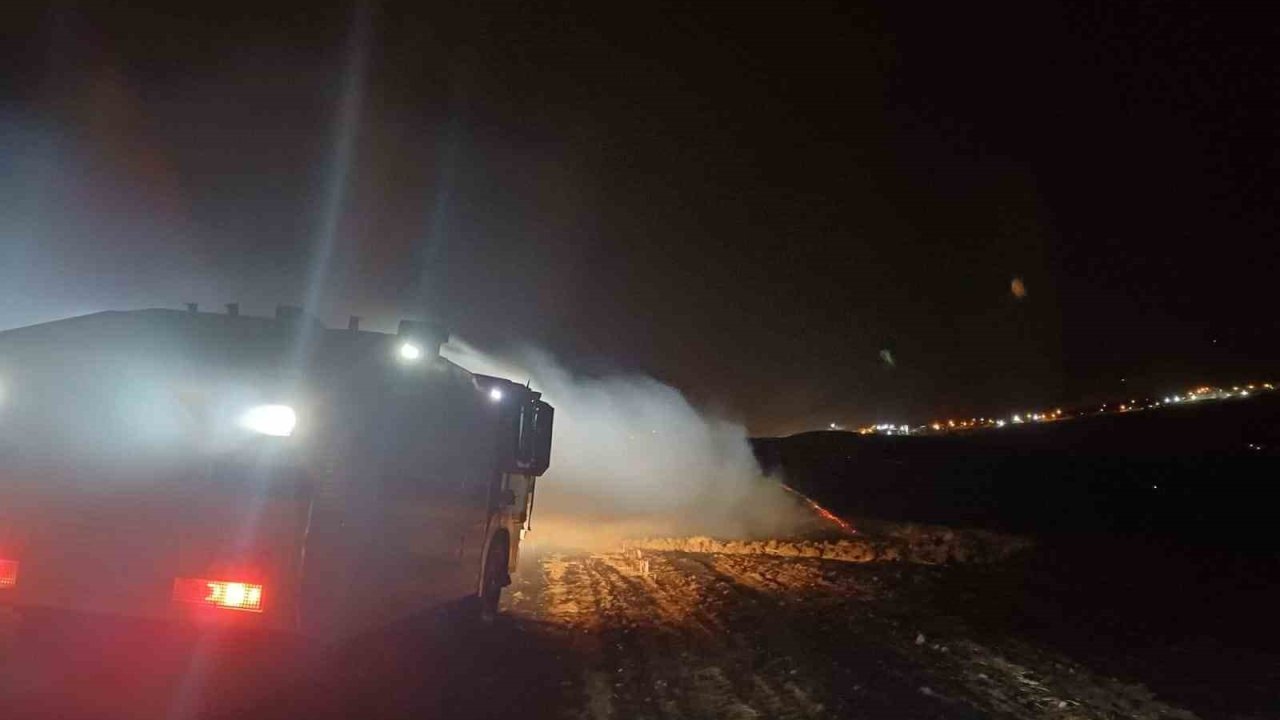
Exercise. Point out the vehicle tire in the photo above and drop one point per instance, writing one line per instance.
(495, 578)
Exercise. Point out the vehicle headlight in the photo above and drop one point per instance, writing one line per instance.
(276, 420)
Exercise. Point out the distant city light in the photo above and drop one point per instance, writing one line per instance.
(1201, 393)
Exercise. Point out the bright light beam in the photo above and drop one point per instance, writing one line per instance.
(346, 124)
(274, 420)
(348, 118)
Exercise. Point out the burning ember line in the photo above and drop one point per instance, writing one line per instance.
(822, 512)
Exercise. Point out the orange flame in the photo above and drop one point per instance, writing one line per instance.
(822, 512)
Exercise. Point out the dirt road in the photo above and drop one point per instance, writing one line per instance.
(731, 631)
(708, 635)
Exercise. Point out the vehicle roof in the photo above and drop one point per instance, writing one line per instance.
(298, 339)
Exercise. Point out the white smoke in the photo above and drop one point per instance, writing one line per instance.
(632, 457)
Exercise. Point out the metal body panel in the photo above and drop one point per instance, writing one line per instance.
(114, 427)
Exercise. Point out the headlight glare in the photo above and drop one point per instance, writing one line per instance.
(275, 420)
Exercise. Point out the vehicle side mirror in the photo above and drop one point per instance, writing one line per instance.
(541, 417)
(531, 439)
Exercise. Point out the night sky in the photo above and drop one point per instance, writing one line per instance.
(750, 202)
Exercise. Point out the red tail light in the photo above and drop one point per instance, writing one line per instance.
(8, 573)
(218, 593)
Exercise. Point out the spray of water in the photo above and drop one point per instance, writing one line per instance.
(632, 458)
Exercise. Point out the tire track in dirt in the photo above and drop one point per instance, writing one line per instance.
(644, 660)
(690, 635)
(1000, 676)
(664, 648)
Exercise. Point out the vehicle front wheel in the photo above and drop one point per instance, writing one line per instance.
(495, 578)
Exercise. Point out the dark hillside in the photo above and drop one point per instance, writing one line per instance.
(1206, 474)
